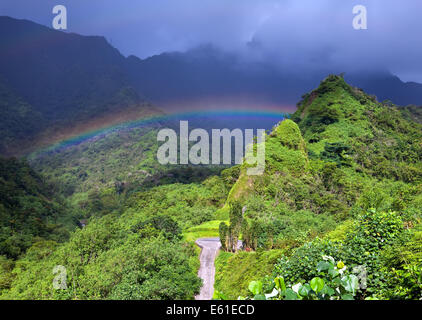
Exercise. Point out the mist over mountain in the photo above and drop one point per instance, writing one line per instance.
(331, 210)
(207, 76)
(59, 80)
(51, 80)
(51, 68)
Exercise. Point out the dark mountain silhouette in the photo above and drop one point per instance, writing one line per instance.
(59, 72)
(64, 78)
(207, 73)
(50, 80)
(387, 86)
(18, 118)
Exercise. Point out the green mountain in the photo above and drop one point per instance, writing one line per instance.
(55, 85)
(29, 210)
(19, 119)
(413, 113)
(343, 179)
(345, 156)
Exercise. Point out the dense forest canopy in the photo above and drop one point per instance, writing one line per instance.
(342, 188)
(350, 190)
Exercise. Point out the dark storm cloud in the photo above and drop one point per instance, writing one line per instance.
(318, 34)
(294, 35)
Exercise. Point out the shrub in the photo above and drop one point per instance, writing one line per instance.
(335, 283)
(163, 223)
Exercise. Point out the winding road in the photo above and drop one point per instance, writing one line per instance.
(210, 247)
(206, 272)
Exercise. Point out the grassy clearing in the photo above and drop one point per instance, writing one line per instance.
(207, 229)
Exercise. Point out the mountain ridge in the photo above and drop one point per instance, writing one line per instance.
(69, 80)
(341, 157)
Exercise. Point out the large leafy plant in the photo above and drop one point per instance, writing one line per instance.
(336, 284)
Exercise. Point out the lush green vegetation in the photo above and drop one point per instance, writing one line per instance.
(413, 113)
(335, 283)
(209, 229)
(341, 196)
(371, 265)
(29, 211)
(19, 120)
(135, 211)
(354, 181)
(124, 255)
(235, 271)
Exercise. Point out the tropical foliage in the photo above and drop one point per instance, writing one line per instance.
(336, 214)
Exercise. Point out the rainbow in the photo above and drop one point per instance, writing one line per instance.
(154, 119)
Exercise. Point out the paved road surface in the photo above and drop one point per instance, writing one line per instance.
(210, 247)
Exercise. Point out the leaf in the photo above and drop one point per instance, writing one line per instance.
(304, 290)
(296, 287)
(350, 283)
(347, 297)
(333, 273)
(327, 290)
(279, 283)
(317, 284)
(218, 296)
(273, 294)
(259, 297)
(323, 265)
(290, 294)
(255, 287)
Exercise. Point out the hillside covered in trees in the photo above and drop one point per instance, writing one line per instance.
(342, 189)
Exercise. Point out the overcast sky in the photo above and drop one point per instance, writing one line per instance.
(295, 34)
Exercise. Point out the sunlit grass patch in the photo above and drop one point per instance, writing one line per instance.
(207, 229)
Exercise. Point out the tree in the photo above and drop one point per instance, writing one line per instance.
(229, 235)
(224, 231)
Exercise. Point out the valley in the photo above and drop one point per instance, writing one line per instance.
(335, 213)
(319, 180)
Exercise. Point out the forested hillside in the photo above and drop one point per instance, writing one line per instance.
(344, 181)
(53, 83)
(136, 251)
(19, 118)
(342, 188)
(29, 210)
